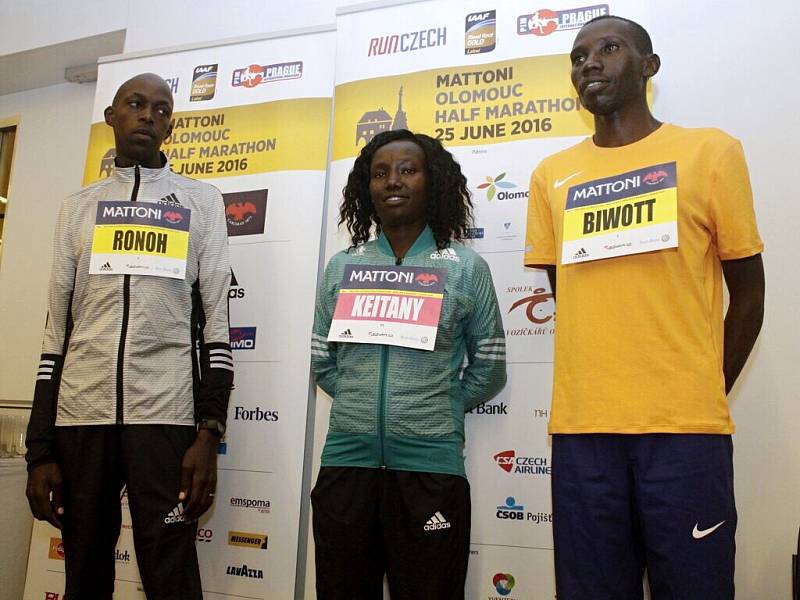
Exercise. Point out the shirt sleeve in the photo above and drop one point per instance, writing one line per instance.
(41, 427)
(731, 206)
(485, 373)
(540, 247)
(216, 359)
(323, 352)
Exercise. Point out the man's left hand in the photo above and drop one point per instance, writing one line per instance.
(199, 475)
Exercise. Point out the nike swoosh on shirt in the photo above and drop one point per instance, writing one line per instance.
(699, 534)
(559, 182)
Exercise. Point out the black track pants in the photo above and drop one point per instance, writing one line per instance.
(414, 527)
(96, 462)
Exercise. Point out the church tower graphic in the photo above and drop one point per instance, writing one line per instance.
(377, 121)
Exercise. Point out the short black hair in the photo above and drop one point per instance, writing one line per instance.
(640, 36)
(449, 208)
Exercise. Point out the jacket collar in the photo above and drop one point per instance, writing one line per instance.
(423, 243)
(128, 174)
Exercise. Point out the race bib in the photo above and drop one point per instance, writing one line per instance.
(393, 305)
(140, 238)
(629, 213)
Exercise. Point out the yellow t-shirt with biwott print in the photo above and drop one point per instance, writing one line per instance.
(637, 233)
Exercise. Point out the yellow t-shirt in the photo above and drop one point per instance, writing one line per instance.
(638, 346)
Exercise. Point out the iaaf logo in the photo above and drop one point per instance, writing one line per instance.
(255, 75)
(243, 338)
(427, 279)
(545, 21)
(523, 465)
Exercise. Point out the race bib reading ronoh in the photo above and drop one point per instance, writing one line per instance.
(140, 238)
(393, 305)
(629, 213)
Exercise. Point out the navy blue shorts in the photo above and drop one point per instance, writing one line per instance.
(626, 503)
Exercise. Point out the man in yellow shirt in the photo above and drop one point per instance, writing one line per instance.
(638, 225)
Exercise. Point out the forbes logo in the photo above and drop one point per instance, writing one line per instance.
(254, 414)
(243, 338)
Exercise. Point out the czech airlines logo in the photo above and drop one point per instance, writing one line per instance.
(255, 75)
(545, 21)
(522, 465)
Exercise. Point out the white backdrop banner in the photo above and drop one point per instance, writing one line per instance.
(492, 82)
(253, 119)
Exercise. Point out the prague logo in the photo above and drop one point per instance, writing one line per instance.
(255, 75)
(533, 312)
(545, 21)
(503, 583)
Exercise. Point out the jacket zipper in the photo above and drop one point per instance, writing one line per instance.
(382, 399)
(126, 300)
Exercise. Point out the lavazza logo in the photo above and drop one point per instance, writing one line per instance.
(522, 465)
(244, 571)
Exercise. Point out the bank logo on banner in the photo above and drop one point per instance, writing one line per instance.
(480, 32)
(246, 212)
(254, 75)
(501, 408)
(510, 510)
(56, 550)
(259, 504)
(503, 583)
(475, 233)
(532, 311)
(492, 184)
(243, 338)
(522, 465)
(545, 21)
(204, 83)
(409, 41)
(248, 540)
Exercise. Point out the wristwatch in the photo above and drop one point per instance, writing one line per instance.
(214, 426)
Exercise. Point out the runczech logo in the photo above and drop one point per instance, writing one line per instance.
(503, 583)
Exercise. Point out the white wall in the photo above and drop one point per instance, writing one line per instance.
(49, 155)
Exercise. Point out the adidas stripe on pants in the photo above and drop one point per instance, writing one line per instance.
(412, 527)
(96, 462)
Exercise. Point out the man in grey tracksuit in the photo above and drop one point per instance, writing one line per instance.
(136, 370)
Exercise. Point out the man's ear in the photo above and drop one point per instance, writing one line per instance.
(652, 63)
(108, 113)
